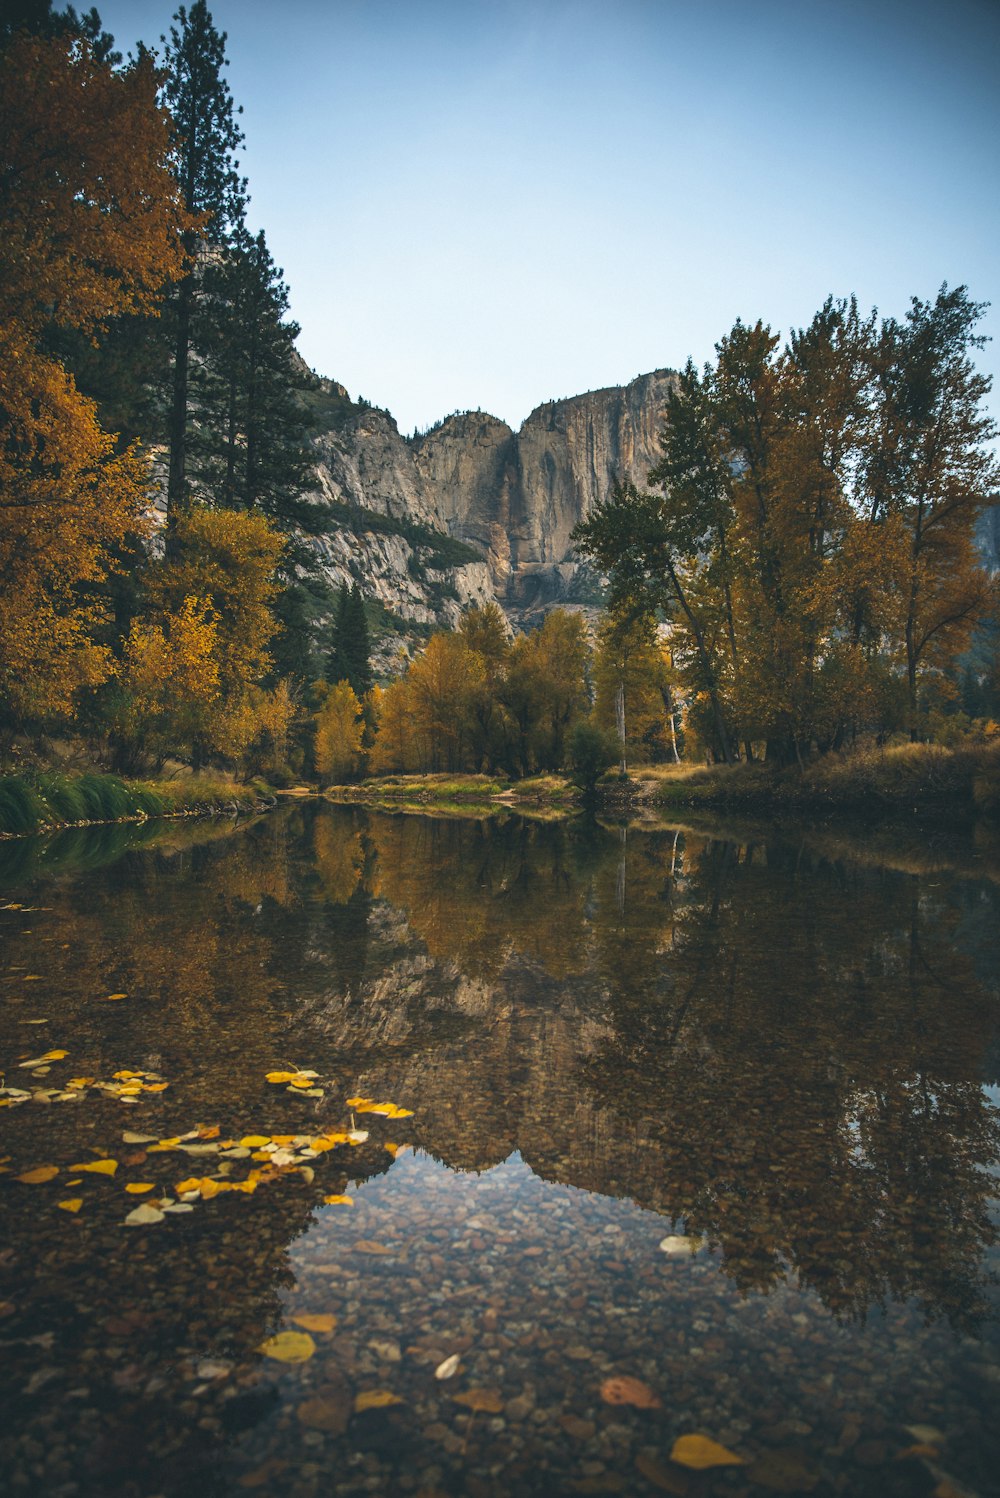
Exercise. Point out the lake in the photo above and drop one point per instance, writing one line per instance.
(594, 1159)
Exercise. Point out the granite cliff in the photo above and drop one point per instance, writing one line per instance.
(472, 510)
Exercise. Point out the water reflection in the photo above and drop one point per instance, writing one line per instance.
(773, 1050)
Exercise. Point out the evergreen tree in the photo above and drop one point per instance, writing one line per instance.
(349, 659)
(201, 104)
(251, 450)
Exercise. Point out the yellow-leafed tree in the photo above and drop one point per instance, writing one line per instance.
(339, 727)
(90, 224)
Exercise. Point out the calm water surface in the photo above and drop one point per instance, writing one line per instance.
(780, 1050)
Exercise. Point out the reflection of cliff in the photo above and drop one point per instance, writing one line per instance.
(781, 1053)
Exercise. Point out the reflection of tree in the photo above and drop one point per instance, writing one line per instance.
(477, 891)
(808, 1053)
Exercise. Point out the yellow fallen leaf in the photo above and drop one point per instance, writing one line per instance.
(289, 1347)
(375, 1399)
(39, 1175)
(191, 1183)
(400, 1113)
(395, 1150)
(281, 1076)
(300, 1082)
(155, 1086)
(109, 998)
(338, 1201)
(359, 1102)
(139, 1188)
(249, 1186)
(72, 1204)
(448, 1368)
(97, 1167)
(260, 1155)
(699, 1452)
(254, 1141)
(320, 1322)
(164, 1144)
(490, 1401)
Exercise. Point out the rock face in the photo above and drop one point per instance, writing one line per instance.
(514, 497)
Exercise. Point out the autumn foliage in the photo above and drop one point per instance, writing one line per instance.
(89, 230)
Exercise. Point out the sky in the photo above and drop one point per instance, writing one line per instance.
(494, 203)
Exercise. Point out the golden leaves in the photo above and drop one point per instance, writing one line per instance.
(97, 1167)
(338, 1201)
(622, 1389)
(288, 1347)
(375, 1399)
(316, 1322)
(71, 1204)
(38, 1175)
(139, 1188)
(700, 1452)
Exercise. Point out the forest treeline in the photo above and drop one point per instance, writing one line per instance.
(800, 569)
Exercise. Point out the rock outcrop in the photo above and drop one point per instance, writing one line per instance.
(512, 497)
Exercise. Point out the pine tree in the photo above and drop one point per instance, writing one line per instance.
(349, 659)
(251, 450)
(201, 103)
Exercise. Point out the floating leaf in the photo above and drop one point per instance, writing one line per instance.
(699, 1452)
(41, 1060)
(110, 998)
(375, 1399)
(338, 1201)
(179, 1207)
(38, 1175)
(321, 1322)
(448, 1368)
(490, 1401)
(359, 1102)
(139, 1188)
(395, 1150)
(155, 1086)
(288, 1347)
(357, 1136)
(625, 1390)
(72, 1204)
(367, 1246)
(143, 1216)
(130, 1138)
(97, 1167)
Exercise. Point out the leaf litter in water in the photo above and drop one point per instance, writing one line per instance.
(288, 1347)
(700, 1452)
(487, 1401)
(448, 1368)
(375, 1399)
(38, 1175)
(97, 1167)
(319, 1322)
(144, 1216)
(71, 1204)
(622, 1389)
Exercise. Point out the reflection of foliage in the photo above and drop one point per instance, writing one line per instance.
(821, 1112)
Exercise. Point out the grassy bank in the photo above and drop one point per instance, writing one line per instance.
(461, 794)
(35, 800)
(902, 779)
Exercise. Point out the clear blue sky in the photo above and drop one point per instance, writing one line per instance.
(495, 202)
